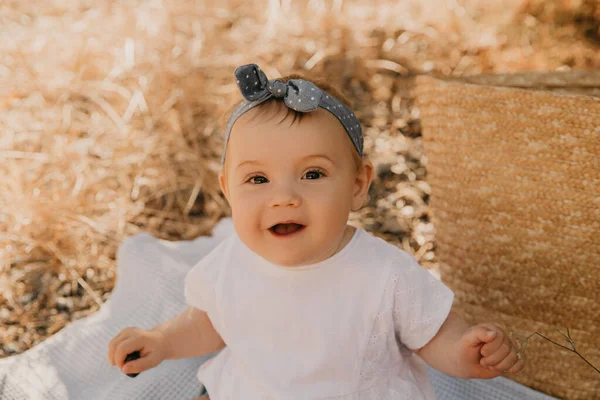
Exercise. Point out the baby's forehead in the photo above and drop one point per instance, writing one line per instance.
(273, 131)
(275, 114)
(264, 138)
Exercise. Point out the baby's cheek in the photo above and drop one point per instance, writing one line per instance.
(329, 207)
(248, 206)
(333, 194)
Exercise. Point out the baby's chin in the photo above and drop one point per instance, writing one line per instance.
(287, 261)
(285, 256)
(291, 259)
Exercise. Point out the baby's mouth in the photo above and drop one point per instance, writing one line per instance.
(286, 229)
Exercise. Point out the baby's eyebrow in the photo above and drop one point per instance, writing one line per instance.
(310, 156)
(248, 162)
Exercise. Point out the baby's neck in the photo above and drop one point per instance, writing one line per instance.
(346, 237)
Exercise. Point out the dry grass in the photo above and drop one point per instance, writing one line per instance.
(109, 118)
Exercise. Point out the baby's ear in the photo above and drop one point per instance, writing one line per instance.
(223, 184)
(364, 177)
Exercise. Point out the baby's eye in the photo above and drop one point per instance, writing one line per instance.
(257, 179)
(314, 174)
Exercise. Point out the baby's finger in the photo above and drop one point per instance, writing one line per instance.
(137, 366)
(476, 335)
(113, 344)
(127, 346)
(517, 367)
(493, 346)
(497, 356)
(507, 362)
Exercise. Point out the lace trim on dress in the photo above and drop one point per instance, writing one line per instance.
(377, 354)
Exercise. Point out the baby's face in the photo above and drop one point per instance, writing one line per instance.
(277, 172)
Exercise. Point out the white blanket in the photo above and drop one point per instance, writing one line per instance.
(73, 363)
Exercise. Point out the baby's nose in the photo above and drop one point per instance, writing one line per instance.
(285, 197)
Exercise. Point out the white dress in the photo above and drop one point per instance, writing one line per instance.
(338, 329)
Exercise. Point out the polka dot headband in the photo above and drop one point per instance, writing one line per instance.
(297, 94)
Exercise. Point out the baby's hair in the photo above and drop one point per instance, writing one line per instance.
(321, 84)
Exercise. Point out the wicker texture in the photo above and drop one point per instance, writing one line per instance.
(515, 197)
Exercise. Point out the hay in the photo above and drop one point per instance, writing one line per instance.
(515, 177)
(109, 121)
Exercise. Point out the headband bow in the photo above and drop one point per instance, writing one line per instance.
(297, 94)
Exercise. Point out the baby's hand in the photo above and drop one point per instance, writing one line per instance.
(488, 352)
(150, 347)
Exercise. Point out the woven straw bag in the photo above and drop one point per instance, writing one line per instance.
(515, 200)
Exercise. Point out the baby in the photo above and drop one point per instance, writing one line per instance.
(307, 305)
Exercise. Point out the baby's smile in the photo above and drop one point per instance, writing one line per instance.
(287, 229)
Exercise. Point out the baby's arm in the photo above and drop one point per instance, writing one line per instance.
(189, 334)
(482, 351)
(441, 351)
